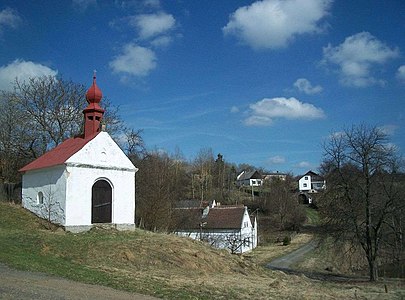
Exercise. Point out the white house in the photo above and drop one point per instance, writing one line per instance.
(274, 176)
(311, 182)
(251, 178)
(86, 180)
(224, 227)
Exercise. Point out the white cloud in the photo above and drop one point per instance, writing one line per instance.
(264, 112)
(161, 41)
(357, 56)
(82, 5)
(401, 73)
(152, 25)
(234, 109)
(276, 160)
(134, 61)
(256, 120)
(152, 3)
(336, 135)
(9, 18)
(22, 70)
(271, 24)
(388, 129)
(305, 86)
(303, 165)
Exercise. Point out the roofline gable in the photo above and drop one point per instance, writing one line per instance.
(58, 155)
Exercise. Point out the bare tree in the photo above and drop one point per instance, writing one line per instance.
(134, 145)
(202, 176)
(40, 114)
(159, 185)
(50, 208)
(362, 198)
(280, 202)
(11, 125)
(232, 241)
(52, 108)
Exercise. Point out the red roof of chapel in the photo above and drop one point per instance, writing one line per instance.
(58, 155)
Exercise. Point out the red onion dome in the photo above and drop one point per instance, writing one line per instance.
(94, 94)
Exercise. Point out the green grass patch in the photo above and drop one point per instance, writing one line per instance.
(312, 216)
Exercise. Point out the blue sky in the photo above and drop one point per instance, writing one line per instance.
(261, 82)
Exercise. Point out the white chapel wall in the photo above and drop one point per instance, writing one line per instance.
(101, 158)
(44, 193)
(79, 189)
(102, 151)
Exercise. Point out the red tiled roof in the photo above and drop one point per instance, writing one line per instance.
(225, 217)
(59, 154)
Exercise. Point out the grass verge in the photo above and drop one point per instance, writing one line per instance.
(162, 265)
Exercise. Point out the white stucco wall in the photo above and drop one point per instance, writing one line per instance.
(255, 182)
(101, 158)
(101, 151)
(79, 188)
(51, 182)
(305, 180)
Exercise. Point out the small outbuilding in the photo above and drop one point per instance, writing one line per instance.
(249, 178)
(222, 226)
(84, 181)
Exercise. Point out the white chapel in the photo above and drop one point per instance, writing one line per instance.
(84, 181)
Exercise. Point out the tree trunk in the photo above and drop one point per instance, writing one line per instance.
(373, 269)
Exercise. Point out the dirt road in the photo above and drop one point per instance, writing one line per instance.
(286, 263)
(30, 285)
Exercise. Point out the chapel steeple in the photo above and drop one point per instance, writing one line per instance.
(93, 113)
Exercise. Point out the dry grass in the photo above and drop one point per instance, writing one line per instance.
(164, 265)
(335, 258)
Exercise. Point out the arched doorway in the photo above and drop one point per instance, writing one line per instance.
(303, 198)
(101, 202)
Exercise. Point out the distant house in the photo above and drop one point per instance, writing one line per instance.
(249, 178)
(224, 226)
(311, 182)
(272, 176)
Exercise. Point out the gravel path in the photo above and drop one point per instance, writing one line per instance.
(286, 263)
(25, 285)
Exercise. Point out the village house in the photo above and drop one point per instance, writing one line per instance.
(274, 176)
(84, 181)
(222, 226)
(310, 183)
(249, 178)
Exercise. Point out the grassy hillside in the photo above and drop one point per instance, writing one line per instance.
(161, 265)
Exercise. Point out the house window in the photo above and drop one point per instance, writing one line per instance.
(40, 198)
(305, 185)
(306, 178)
